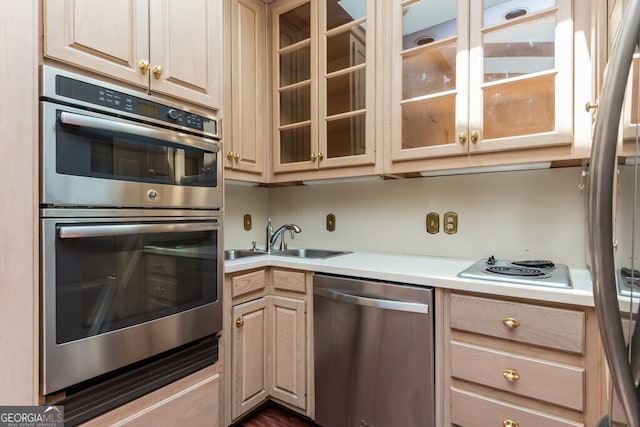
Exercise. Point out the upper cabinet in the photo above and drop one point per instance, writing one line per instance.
(323, 84)
(169, 47)
(477, 77)
(245, 112)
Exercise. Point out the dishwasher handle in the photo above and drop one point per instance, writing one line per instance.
(367, 301)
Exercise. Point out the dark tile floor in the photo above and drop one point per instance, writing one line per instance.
(272, 415)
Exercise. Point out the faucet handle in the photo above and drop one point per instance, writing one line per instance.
(253, 245)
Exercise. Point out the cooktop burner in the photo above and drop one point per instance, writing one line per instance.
(528, 272)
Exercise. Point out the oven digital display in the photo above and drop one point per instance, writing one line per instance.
(147, 109)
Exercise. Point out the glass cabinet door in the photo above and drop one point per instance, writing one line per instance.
(632, 108)
(521, 76)
(346, 40)
(295, 138)
(430, 78)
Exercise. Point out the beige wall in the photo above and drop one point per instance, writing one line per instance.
(516, 215)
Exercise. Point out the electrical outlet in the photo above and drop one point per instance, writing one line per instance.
(433, 223)
(331, 222)
(450, 222)
(247, 222)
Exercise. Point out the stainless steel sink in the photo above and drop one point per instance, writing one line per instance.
(232, 254)
(310, 253)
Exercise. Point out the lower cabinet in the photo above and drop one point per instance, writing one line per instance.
(194, 400)
(519, 363)
(270, 339)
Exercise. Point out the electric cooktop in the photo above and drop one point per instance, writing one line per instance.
(526, 272)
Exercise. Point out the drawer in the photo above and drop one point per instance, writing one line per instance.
(285, 280)
(160, 264)
(247, 283)
(525, 376)
(473, 410)
(556, 328)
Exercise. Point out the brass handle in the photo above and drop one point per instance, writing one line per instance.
(236, 156)
(320, 155)
(143, 66)
(157, 71)
(475, 136)
(462, 137)
(230, 155)
(314, 156)
(511, 375)
(590, 106)
(239, 322)
(511, 322)
(510, 423)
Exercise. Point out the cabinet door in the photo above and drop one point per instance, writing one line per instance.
(107, 37)
(185, 45)
(249, 356)
(346, 35)
(288, 350)
(430, 80)
(248, 86)
(521, 78)
(295, 136)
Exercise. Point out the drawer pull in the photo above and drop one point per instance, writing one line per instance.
(510, 423)
(511, 322)
(511, 375)
(239, 322)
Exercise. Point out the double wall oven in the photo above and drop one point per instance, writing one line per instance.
(131, 226)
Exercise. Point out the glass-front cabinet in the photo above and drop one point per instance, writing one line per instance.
(474, 76)
(323, 77)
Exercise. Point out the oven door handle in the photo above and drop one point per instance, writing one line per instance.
(113, 125)
(83, 231)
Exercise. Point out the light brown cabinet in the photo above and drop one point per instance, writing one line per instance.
(168, 47)
(270, 339)
(245, 112)
(512, 362)
(323, 94)
(479, 78)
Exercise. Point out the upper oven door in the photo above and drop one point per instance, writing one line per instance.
(92, 159)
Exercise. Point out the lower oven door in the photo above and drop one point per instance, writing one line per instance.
(119, 290)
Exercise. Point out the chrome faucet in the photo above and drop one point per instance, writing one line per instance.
(272, 236)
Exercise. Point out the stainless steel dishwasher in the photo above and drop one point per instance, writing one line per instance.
(374, 353)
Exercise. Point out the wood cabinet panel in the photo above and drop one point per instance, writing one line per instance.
(294, 281)
(560, 329)
(475, 410)
(540, 379)
(247, 283)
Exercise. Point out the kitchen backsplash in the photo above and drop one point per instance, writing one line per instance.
(514, 215)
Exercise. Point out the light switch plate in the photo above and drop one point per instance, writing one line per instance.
(331, 222)
(247, 222)
(433, 223)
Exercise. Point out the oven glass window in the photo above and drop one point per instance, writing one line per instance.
(96, 153)
(112, 282)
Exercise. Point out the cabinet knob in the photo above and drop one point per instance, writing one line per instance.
(157, 71)
(462, 137)
(510, 423)
(314, 157)
(590, 106)
(236, 156)
(230, 155)
(475, 136)
(320, 155)
(143, 66)
(511, 322)
(511, 375)
(239, 322)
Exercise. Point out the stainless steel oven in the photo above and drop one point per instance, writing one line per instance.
(130, 228)
(103, 146)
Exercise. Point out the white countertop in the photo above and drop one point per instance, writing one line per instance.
(422, 270)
